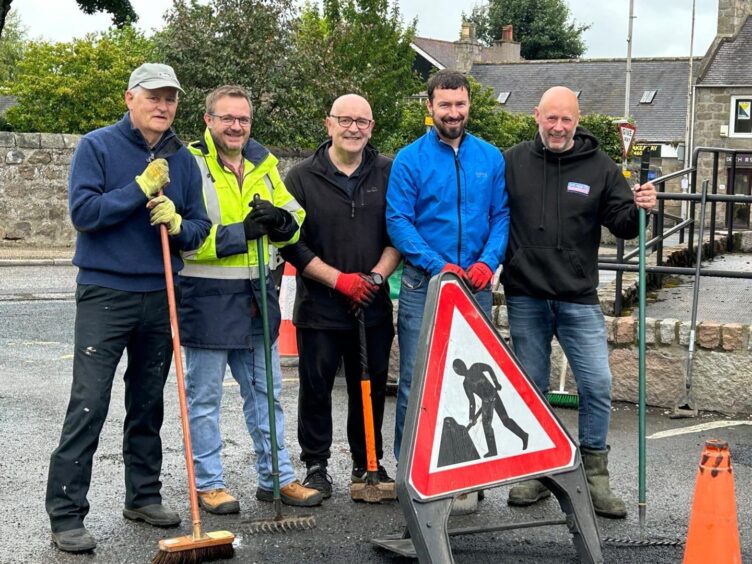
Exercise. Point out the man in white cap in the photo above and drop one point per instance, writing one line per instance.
(117, 175)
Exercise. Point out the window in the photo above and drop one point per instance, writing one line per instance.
(740, 123)
(647, 96)
(503, 97)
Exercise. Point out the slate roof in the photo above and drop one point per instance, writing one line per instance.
(730, 64)
(601, 82)
(6, 102)
(445, 52)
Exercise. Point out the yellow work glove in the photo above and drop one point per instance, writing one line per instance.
(155, 176)
(163, 211)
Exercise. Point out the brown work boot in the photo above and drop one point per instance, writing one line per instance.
(293, 493)
(218, 501)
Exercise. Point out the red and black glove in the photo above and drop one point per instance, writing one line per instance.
(479, 275)
(356, 287)
(455, 269)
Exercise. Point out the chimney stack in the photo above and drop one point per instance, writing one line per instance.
(507, 34)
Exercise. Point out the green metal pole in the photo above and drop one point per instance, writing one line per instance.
(642, 505)
(269, 376)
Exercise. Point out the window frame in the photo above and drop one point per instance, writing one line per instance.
(735, 99)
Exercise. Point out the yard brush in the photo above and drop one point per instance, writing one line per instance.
(198, 546)
(562, 398)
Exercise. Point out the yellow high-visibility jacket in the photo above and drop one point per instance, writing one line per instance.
(219, 306)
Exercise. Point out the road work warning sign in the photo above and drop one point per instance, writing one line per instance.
(481, 422)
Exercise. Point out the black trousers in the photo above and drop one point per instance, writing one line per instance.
(319, 354)
(107, 323)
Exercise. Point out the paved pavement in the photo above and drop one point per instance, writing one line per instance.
(36, 348)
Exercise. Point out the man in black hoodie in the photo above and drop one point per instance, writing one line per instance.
(562, 189)
(343, 257)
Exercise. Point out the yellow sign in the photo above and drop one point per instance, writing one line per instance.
(627, 173)
(428, 121)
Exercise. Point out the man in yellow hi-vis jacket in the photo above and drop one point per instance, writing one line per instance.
(220, 319)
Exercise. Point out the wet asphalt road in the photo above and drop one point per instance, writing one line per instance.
(35, 363)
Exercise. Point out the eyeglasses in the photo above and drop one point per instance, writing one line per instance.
(347, 121)
(229, 120)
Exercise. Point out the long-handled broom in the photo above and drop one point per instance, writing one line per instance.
(279, 523)
(561, 397)
(372, 490)
(198, 546)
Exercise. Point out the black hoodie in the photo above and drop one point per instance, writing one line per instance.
(558, 202)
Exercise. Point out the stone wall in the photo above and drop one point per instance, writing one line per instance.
(34, 188)
(721, 368)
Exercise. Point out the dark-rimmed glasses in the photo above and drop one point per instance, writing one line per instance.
(347, 121)
(229, 120)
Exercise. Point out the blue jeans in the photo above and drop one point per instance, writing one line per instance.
(581, 332)
(205, 371)
(412, 300)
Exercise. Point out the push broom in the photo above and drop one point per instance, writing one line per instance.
(198, 546)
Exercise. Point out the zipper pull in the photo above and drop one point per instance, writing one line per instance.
(352, 208)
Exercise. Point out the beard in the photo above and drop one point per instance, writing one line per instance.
(454, 131)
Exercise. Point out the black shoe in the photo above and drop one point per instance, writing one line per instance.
(155, 514)
(74, 540)
(318, 479)
(360, 475)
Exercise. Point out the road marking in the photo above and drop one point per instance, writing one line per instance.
(234, 383)
(697, 428)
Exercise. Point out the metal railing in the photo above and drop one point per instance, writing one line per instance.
(626, 263)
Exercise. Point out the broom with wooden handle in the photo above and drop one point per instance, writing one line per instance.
(198, 546)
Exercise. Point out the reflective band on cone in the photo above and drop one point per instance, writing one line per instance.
(288, 344)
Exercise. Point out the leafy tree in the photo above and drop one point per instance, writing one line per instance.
(245, 42)
(12, 46)
(358, 46)
(121, 10)
(78, 86)
(542, 27)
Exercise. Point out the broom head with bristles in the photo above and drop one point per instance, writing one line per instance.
(216, 545)
(563, 399)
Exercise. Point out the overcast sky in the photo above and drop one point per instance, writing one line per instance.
(661, 28)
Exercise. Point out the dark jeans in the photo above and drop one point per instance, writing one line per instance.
(107, 322)
(319, 355)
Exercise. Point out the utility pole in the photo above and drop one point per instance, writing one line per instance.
(688, 125)
(629, 75)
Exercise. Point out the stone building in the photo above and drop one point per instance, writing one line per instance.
(722, 113)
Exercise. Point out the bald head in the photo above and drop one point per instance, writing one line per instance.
(354, 103)
(557, 116)
(349, 124)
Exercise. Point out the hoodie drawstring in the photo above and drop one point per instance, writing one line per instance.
(543, 194)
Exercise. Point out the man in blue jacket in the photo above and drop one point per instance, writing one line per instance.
(446, 211)
(116, 177)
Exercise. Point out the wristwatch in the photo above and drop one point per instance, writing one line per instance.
(377, 278)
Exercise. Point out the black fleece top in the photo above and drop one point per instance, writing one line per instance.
(558, 203)
(345, 230)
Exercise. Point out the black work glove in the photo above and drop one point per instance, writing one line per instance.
(253, 229)
(266, 214)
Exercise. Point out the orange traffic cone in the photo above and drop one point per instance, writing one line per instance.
(288, 344)
(713, 534)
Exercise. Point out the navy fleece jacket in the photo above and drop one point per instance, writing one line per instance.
(116, 247)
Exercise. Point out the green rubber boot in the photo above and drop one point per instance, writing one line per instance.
(605, 502)
(528, 493)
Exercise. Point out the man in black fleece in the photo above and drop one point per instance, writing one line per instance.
(562, 189)
(343, 257)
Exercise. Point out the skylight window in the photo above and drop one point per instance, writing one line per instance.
(647, 96)
(503, 97)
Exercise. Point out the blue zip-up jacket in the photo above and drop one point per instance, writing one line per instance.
(116, 247)
(446, 208)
